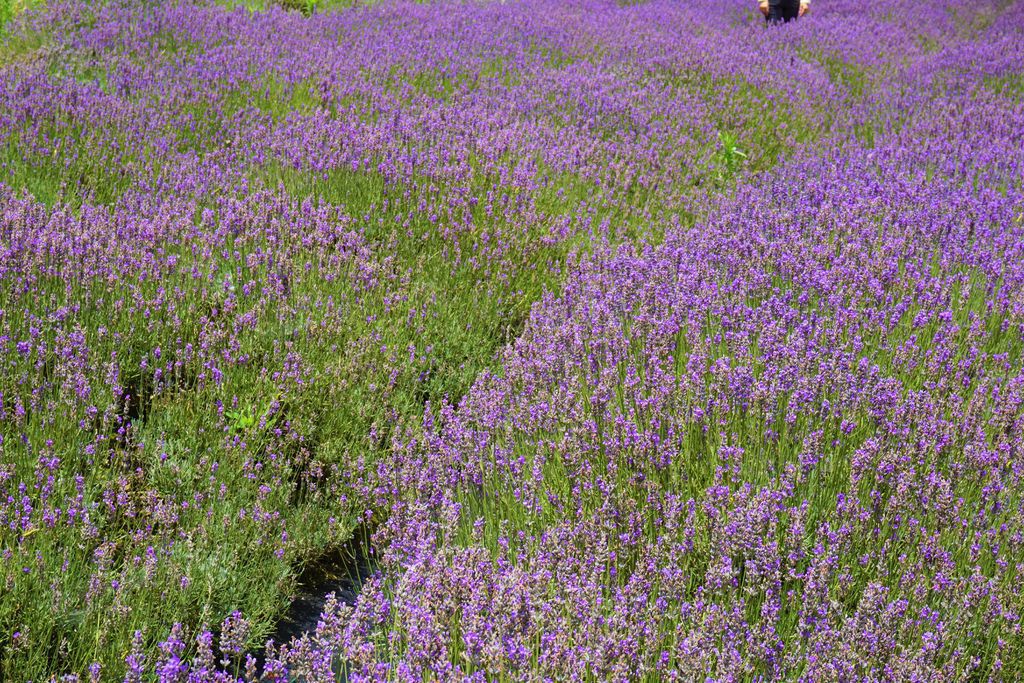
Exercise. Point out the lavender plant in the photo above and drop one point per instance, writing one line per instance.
(643, 343)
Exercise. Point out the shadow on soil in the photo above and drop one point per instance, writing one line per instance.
(340, 571)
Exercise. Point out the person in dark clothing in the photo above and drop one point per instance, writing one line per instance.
(781, 11)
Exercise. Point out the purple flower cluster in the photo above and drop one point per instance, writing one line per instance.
(785, 443)
(652, 344)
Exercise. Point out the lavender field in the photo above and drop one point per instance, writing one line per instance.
(536, 340)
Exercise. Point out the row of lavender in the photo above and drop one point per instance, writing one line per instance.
(244, 254)
(238, 249)
(784, 444)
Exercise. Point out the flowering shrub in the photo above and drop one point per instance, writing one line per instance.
(648, 343)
